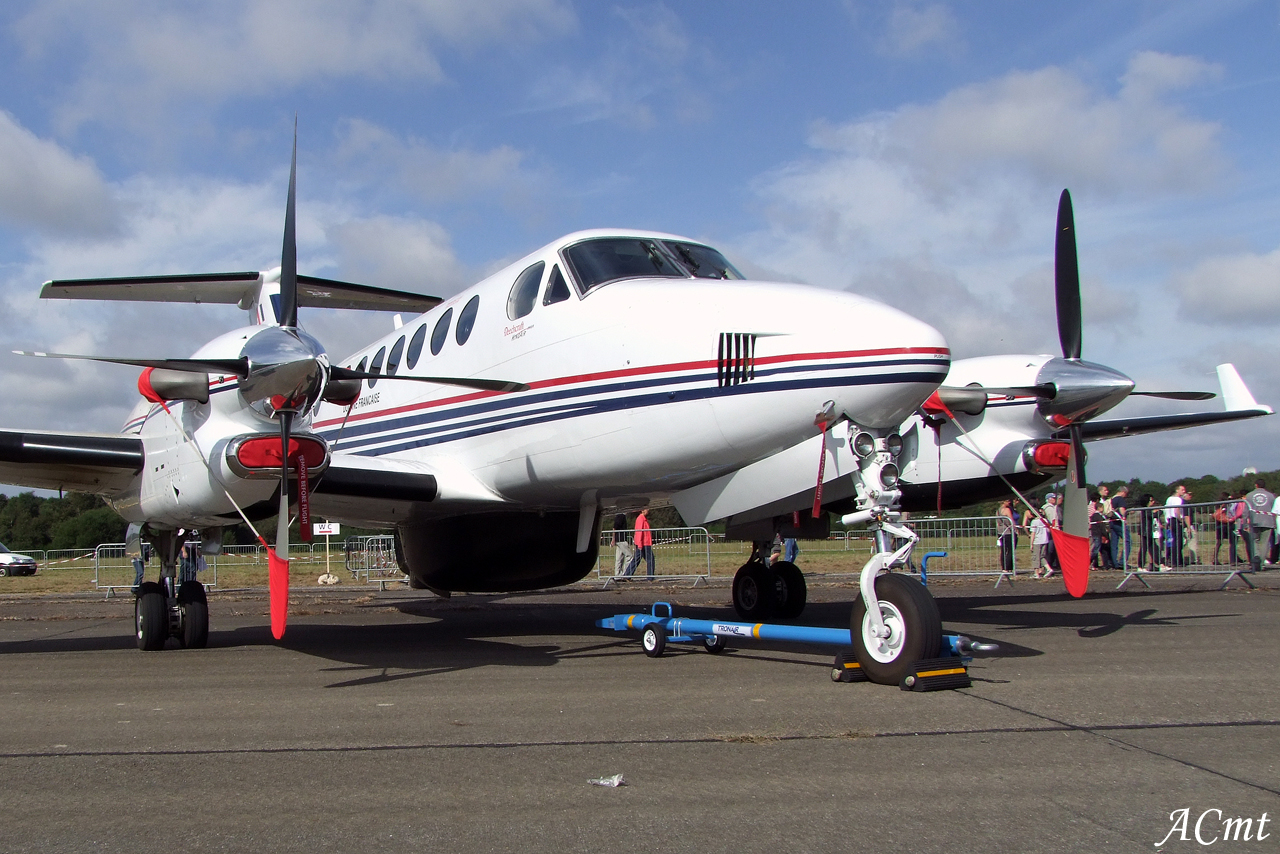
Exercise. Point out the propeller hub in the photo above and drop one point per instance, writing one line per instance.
(1084, 390)
(288, 370)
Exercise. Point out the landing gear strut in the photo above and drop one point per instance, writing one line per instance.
(161, 611)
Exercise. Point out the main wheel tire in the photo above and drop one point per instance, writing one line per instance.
(151, 617)
(713, 644)
(914, 624)
(792, 594)
(654, 640)
(755, 592)
(195, 625)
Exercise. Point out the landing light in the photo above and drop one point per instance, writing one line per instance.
(864, 444)
(889, 476)
(894, 444)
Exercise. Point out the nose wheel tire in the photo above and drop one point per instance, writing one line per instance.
(654, 640)
(755, 592)
(915, 629)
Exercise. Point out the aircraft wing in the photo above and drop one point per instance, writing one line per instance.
(1236, 397)
(237, 289)
(373, 490)
(85, 462)
(1117, 427)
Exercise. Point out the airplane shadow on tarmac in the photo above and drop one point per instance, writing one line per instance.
(1018, 613)
(461, 635)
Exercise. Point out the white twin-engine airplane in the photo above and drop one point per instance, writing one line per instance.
(608, 370)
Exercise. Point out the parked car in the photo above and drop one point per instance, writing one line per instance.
(15, 564)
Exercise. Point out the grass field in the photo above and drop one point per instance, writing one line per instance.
(717, 560)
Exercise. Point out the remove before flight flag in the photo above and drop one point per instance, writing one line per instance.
(278, 585)
(1073, 557)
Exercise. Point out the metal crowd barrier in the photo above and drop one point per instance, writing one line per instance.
(113, 569)
(678, 554)
(1189, 540)
(373, 558)
(972, 544)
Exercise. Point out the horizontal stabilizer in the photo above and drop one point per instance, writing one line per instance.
(237, 289)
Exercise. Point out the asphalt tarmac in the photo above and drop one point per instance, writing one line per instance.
(400, 722)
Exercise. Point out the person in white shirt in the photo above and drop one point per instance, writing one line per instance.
(1174, 524)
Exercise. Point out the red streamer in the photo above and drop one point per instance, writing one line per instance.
(1073, 557)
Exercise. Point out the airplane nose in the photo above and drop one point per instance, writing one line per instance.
(896, 362)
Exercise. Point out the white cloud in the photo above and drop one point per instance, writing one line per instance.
(949, 206)
(395, 252)
(649, 71)
(431, 173)
(187, 226)
(143, 55)
(45, 187)
(911, 29)
(1241, 289)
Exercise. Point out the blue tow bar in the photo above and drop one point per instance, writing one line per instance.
(686, 630)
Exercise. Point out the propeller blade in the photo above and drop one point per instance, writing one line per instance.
(1075, 501)
(233, 367)
(278, 558)
(336, 373)
(282, 523)
(289, 253)
(1066, 280)
(1176, 395)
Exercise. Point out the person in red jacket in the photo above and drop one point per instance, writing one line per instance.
(644, 544)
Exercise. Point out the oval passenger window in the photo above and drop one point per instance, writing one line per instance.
(393, 358)
(440, 332)
(376, 367)
(467, 319)
(524, 293)
(415, 346)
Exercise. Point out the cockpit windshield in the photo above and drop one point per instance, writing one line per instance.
(703, 261)
(608, 259)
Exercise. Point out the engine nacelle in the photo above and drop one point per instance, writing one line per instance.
(497, 552)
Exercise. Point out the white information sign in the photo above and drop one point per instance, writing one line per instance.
(326, 529)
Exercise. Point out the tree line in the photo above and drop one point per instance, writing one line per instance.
(84, 521)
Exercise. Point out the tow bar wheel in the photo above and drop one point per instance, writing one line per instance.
(915, 629)
(654, 640)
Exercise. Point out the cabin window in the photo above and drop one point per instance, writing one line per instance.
(415, 347)
(467, 320)
(703, 262)
(360, 367)
(524, 293)
(376, 367)
(393, 358)
(557, 287)
(607, 259)
(440, 332)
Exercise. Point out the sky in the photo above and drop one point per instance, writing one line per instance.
(910, 151)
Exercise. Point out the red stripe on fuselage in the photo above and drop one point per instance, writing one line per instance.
(634, 372)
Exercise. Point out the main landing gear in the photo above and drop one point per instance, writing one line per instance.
(763, 592)
(159, 616)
